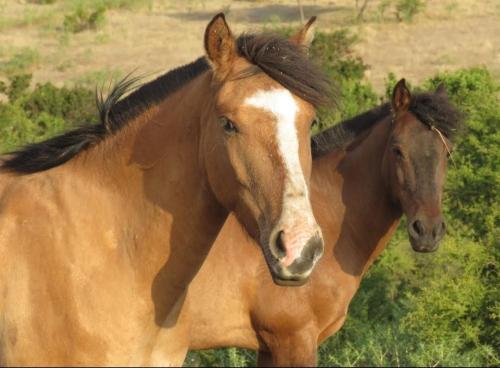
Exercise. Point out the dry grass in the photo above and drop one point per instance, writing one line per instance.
(155, 35)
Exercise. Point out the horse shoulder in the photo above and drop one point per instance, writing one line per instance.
(46, 286)
(31, 209)
(25, 221)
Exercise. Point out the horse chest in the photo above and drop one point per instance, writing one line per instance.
(331, 310)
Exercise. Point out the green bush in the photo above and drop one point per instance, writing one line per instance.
(334, 53)
(84, 18)
(16, 128)
(22, 61)
(42, 2)
(230, 357)
(473, 187)
(474, 181)
(418, 310)
(75, 105)
(407, 9)
(404, 10)
(35, 115)
(18, 85)
(91, 14)
(441, 308)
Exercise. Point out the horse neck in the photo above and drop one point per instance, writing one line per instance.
(364, 217)
(167, 204)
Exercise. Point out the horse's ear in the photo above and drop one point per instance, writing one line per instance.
(441, 89)
(304, 37)
(400, 97)
(220, 45)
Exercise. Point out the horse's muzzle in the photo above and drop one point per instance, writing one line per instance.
(297, 272)
(426, 233)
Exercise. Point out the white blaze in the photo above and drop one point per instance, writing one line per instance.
(282, 105)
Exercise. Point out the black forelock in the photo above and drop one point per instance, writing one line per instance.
(435, 109)
(289, 65)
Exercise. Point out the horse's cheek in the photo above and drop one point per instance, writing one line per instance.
(400, 175)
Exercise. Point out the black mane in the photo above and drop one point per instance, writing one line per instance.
(114, 112)
(284, 62)
(345, 132)
(432, 109)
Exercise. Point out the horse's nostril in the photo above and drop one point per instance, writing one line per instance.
(439, 230)
(313, 249)
(318, 248)
(418, 228)
(280, 246)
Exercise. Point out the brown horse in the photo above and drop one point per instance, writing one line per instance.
(102, 228)
(368, 171)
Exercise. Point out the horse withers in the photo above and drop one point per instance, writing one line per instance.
(368, 171)
(102, 228)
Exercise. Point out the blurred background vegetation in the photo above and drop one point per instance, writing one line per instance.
(412, 309)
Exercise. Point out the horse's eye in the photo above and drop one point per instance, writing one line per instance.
(397, 152)
(227, 125)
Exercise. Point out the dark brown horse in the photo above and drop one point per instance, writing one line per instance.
(102, 228)
(368, 172)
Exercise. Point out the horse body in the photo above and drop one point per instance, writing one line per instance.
(103, 228)
(92, 279)
(363, 184)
